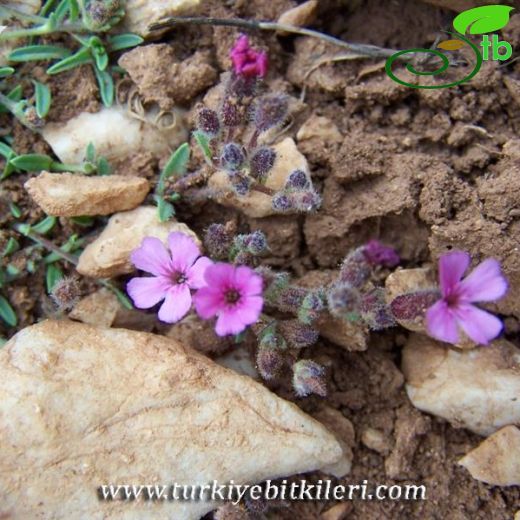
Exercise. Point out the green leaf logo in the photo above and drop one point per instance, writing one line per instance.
(481, 20)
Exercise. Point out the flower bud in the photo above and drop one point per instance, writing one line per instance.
(291, 298)
(355, 269)
(218, 240)
(306, 201)
(297, 180)
(281, 202)
(269, 362)
(374, 310)
(255, 243)
(261, 163)
(270, 111)
(310, 308)
(308, 378)
(232, 157)
(65, 293)
(413, 306)
(231, 113)
(344, 301)
(208, 122)
(378, 254)
(298, 335)
(241, 184)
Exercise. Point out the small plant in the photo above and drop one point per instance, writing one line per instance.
(244, 111)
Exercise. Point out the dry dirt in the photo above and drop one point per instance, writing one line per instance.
(423, 170)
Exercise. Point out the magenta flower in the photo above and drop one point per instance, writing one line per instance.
(379, 254)
(175, 273)
(233, 294)
(456, 310)
(247, 61)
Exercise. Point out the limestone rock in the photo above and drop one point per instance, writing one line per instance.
(99, 308)
(73, 195)
(140, 14)
(351, 336)
(109, 254)
(255, 204)
(476, 389)
(301, 15)
(337, 512)
(114, 133)
(82, 407)
(496, 461)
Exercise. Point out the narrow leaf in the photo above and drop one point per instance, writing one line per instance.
(53, 275)
(123, 41)
(203, 143)
(81, 57)
(45, 225)
(106, 86)
(7, 313)
(103, 167)
(177, 163)
(43, 98)
(32, 162)
(6, 71)
(90, 153)
(165, 210)
(38, 52)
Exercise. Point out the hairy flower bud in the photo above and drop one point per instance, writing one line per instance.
(291, 298)
(269, 362)
(241, 184)
(261, 163)
(208, 122)
(308, 378)
(355, 269)
(374, 310)
(378, 254)
(282, 203)
(306, 201)
(311, 307)
(65, 293)
(231, 113)
(412, 307)
(344, 301)
(270, 111)
(297, 180)
(232, 157)
(255, 243)
(298, 335)
(218, 240)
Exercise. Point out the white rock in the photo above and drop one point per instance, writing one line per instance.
(476, 389)
(257, 204)
(82, 407)
(496, 461)
(109, 254)
(71, 194)
(140, 14)
(99, 308)
(114, 133)
(301, 15)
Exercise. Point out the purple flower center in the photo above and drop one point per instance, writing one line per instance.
(232, 296)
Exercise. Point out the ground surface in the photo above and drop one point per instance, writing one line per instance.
(431, 171)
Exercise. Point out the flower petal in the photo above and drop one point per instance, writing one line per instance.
(441, 323)
(220, 275)
(208, 302)
(176, 304)
(250, 309)
(247, 281)
(195, 273)
(229, 322)
(452, 267)
(484, 284)
(147, 291)
(183, 249)
(151, 256)
(479, 325)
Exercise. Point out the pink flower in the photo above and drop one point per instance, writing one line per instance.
(247, 61)
(379, 254)
(233, 294)
(175, 273)
(456, 310)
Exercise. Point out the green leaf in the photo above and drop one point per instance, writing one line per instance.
(11, 247)
(74, 10)
(103, 167)
(53, 275)
(177, 163)
(123, 41)
(43, 98)
(203, 144)
(6, 150)
(32, 162)
(38, 52)
(81, 57)
(16, 212)
(106, 86)
(90, 153)
(7, 313)
(481, 20)
(6, 71)
(165, 210)
(16, 93)
(45, 225)
(83, 221)
(61, 11)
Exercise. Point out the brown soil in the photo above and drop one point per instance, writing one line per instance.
(423, 170)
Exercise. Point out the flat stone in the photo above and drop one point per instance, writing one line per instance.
(99, 308)
(256, 204)
(301, 15)
(496, 461)
(476, 389)
(73, 195)
(82, 407)
(109, 254)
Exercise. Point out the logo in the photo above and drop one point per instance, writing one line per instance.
(479, 20)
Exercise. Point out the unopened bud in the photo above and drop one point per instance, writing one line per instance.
(261, 163)
(269, 362)
(298, 335)
(282, 203)
(310, 308)
(297, 180)
(232, 157)
(241, 183)
(308, 378)
(256, 243)
(291, 298)
(208, 122)
(355, 269)
(344, 301)
(271, 111)
(217, 241)
(306, 201)
(413, 306)
(231, 114)
(65, 293)
(375, 312)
